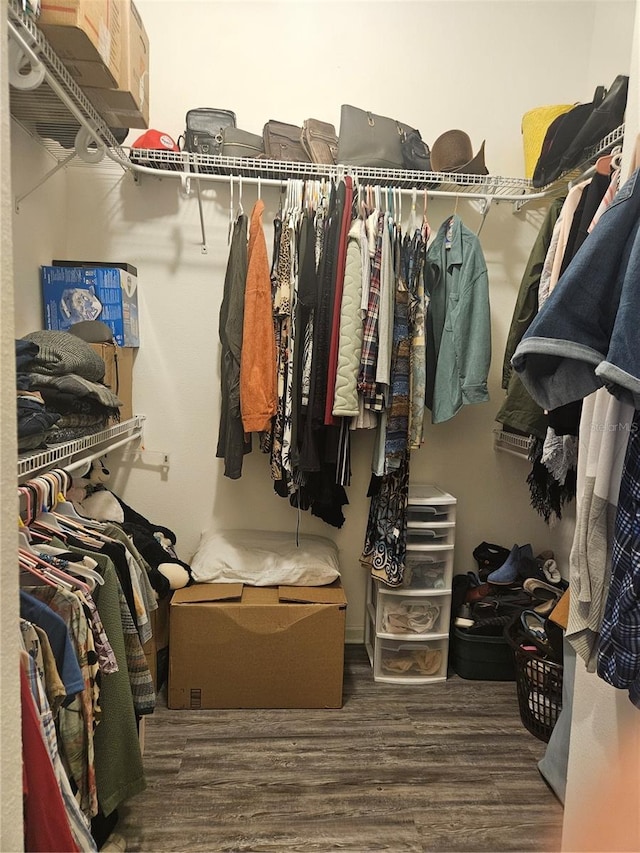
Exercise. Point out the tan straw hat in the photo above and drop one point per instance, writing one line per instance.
(453, 152)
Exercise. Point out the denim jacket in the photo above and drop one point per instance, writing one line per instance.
(459, 305)
(587, 333)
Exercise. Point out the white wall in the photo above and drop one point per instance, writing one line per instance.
(40, 223)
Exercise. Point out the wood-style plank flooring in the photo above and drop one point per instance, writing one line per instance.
(442, 767)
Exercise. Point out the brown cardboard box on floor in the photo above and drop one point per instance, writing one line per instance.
(118, 376)
(236, 646)
(160, 640)
(85, 31)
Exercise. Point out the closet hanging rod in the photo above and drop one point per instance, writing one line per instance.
(485, 195)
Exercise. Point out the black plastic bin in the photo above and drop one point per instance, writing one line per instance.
(477, 656)
(538, 684)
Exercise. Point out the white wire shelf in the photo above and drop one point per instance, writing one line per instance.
(57, 106)
(57, 109)
(212, 167)
(71, 454)
(511, 442)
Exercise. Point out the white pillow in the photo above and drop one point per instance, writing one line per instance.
(265, 558)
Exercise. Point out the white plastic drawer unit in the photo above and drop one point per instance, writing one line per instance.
(420, 662)
(410, 614)
(428, 505)
(428, 568)
(431, 534)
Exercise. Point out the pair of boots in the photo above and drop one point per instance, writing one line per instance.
(521, 564)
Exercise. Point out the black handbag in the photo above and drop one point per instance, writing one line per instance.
(415, 151)
(204, 129)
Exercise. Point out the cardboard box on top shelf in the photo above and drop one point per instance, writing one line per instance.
(237, 646)
(126, 105)
(85, 31)
(118, 375)
(73, 291)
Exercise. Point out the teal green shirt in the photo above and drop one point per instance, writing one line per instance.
(461, 319)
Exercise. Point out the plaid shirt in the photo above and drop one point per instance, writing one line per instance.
(367, 377)
(619, 652)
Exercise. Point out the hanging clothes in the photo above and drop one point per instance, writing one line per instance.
(460, 317)
(414, 256)
(233, 443)
(282, 272)
(385, 544)
(519, 411)
(367, 385)
(305, 307)
(396, 441)
(580, 339)
(619, 650)
(605, 426)
(45, 818)
(338, 288)
(345, 402)
(384, 550)
(258, 398)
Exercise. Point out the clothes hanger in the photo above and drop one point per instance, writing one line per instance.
(603, 164)
(23, 540)
(85, 568)
(231, 217)
(283, 189)
(411, 227)
(39, 535)
(240, 210)
(449, 233)
(57, 575)
(90, 536)
(68, 510)
(25, 492)
(27, 566)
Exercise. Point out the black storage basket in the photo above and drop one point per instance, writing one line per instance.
(538, 684)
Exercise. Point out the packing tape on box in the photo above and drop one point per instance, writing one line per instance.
(86, 147)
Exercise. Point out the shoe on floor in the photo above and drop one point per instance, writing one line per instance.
(509, 572)
(536, 586)
(533, 624)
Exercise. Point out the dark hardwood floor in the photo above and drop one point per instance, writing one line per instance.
(442, 767)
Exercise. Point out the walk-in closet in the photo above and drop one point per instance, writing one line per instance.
(363, 728)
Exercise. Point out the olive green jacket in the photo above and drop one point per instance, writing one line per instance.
(518, 411)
